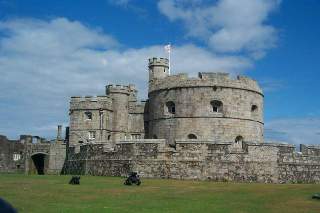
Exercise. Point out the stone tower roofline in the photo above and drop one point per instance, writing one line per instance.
(124, 89)
(205, 79)
(158, 62)
(158, 68)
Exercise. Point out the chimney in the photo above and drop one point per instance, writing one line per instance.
(59, 133)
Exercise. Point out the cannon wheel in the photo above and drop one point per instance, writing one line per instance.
(128, 182)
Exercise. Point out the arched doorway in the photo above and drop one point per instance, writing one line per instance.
(39, 163)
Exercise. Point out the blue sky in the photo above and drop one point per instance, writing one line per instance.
(51, 50)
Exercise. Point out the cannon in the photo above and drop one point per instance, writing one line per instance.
(133, 179)
(75, 180)
(316, 196)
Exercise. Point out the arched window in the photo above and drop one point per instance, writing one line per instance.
(109, 137)
(192, 136)
(88, 115)
(254, 108)
(239, 139)
(217, 106)
(171, 107)
(154, 137)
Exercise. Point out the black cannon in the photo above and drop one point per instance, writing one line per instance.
(133, 179)
(75, 180)
(316, 196)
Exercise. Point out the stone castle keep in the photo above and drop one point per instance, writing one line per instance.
(205, 128)
(210, 107)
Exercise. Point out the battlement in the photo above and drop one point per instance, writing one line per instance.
(213, 75)
(158, 62)
(205, 79)
(125, 89)
(91, 102)
(310, 149)
(102, 98)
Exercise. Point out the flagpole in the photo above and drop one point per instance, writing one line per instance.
(169, 58)
(168, 49)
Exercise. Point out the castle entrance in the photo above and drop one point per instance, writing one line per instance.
(39, 163)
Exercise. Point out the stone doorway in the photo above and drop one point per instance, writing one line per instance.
(39, 163)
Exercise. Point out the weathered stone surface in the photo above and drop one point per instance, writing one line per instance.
(205, 128)
(29, 152)
(201, 160)
(209, 127)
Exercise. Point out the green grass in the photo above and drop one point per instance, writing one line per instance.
(108, 194)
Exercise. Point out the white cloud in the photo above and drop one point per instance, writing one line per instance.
(43, 63)
(122, 3)
(226, 25)
(294, 130)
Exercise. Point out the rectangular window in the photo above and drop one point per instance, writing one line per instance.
(92, 135)
(16, 157)
(136, 136)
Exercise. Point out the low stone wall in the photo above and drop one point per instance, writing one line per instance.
(200, 160)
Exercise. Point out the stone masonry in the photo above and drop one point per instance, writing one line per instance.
(32, 155)
(205, 128)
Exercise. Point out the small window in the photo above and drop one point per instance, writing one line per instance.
(254, 108)
(88, 115)
(16, 157)
(171, 108)
(109, 137)
(92, 135)
(80, 142)
(154, 137)
(238, 140)
(34, 140)
(135, 136)
(192, 136)
(217, 106)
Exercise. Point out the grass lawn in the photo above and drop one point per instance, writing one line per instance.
(108, 194)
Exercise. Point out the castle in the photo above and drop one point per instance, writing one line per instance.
(210, 107)
(209, 127)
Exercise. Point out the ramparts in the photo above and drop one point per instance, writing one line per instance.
(204, 79)
(91, 103)
(200, 160)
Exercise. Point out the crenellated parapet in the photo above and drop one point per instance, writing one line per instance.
(201, 160)
(158, 68)
(123, 89)
(158, 61)
(222, 80)
(312, 150)
(90, 103)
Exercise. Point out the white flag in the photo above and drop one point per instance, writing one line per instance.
(168, 48)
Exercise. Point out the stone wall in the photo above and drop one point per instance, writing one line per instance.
(194, 114)
(114, 116)
(201, 160)
(11, 155)
(16, 155)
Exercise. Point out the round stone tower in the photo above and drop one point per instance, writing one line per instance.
(120, 106)
(158, 68)
(211, 107)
